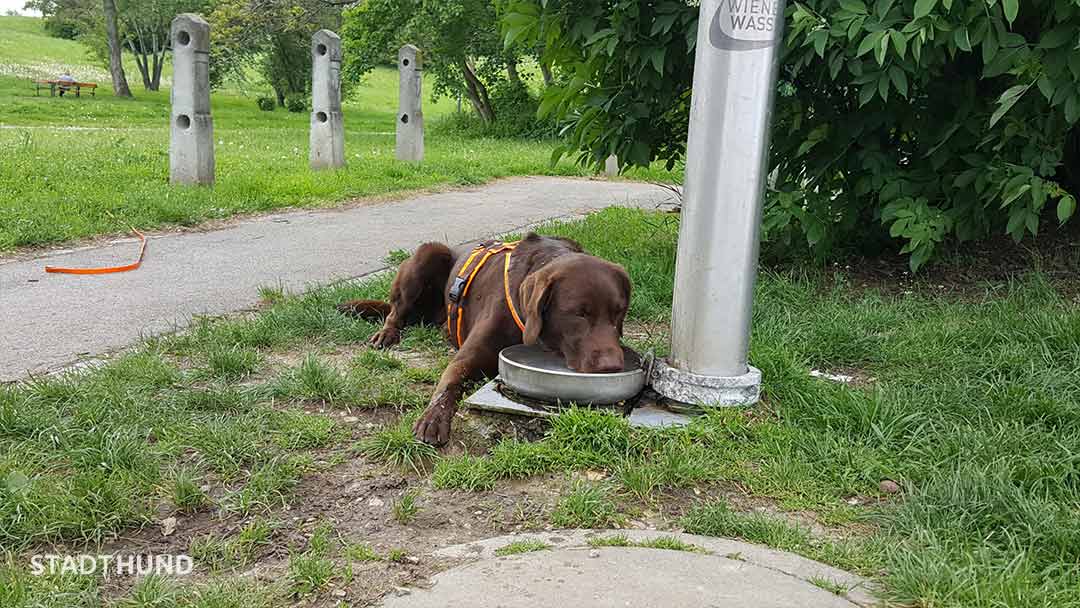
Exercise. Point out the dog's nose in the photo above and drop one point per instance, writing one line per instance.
(606, 361)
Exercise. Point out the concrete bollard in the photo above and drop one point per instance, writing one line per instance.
(410, 123)
(611, 166)
(327, 124)
(191, 141)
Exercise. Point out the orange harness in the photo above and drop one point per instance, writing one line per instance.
(460, 289)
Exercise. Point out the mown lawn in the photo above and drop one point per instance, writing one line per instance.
(74, 168)
(970, 403)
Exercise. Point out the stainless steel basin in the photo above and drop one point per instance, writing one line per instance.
(540, 374)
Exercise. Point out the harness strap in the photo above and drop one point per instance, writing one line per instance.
(460, 289)
(506, 290)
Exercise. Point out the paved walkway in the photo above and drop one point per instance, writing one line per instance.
(49, 320)
(720, 573)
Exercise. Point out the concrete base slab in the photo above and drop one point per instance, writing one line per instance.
(646, 414)
(719, 573)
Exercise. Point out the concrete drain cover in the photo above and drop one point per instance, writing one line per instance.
(571, 573)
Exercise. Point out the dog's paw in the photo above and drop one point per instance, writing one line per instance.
(433, 426)
(385, 338)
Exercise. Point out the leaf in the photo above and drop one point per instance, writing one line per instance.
(883, 86)
(883, 7)
(1023, 189)
(1046, 87)
(853, 6)
(989, 46)
(1032, 223)
(557, 154)
(657, 58)
(1057, 36)
(923, 7)
(869, 42)
(1072, 109)
(899, 79)
(866, 93)
(920, 256)
(1007, 100)
(1012, 7)
(899, 42)
(962, 39)
(663, 23)
(550, 101)
(882, 49)
(1066, 208)
(820, 38)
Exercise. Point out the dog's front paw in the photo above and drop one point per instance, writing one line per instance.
(433, 426)
(386, 337)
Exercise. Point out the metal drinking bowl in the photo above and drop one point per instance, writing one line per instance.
(541, 374)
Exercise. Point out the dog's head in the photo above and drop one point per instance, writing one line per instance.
(576, 305)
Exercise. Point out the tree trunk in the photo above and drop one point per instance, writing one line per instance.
(116, 63)
(140, 61)
(155, 79)
(477, 93)
(280, 97)
(512, 71)
(545, 69)
(158, 54)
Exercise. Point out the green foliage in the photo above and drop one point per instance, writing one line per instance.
(459, 40)
(275, 36)
(266, 104)
(298, 104)
(601, 47)
(931, 120)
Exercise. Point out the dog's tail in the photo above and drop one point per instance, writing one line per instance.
(372, 310)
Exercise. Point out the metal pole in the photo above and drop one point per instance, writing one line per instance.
(738, 47)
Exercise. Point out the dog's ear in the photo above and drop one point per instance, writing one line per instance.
(535, 292)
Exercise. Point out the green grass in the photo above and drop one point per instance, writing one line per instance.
(973, 407)
(311, 570)
(61, 184)
(521, 546)
(405, 508)
(395, 445)
(217, 553)
(669, 543)
(585, 506)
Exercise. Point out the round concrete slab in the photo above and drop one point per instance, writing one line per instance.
(718, 573)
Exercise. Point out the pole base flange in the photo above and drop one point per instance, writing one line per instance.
(708, 391)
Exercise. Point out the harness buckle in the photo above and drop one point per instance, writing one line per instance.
(457, 288)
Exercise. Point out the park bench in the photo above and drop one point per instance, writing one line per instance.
(64, 85)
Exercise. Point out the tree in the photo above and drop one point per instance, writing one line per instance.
(116, 62)
(146, 26)
(67, 18)
(915, 120)
(274, 33)
(461, 41)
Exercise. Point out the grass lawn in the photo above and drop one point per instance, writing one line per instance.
(74, 168)
(282, 444)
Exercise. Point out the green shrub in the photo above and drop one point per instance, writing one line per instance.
(898, 124)
(297, 104)
(266, 104)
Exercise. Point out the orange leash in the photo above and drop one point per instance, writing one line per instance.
(107, 269)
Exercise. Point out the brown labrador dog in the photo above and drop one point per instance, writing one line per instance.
(567, 300)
